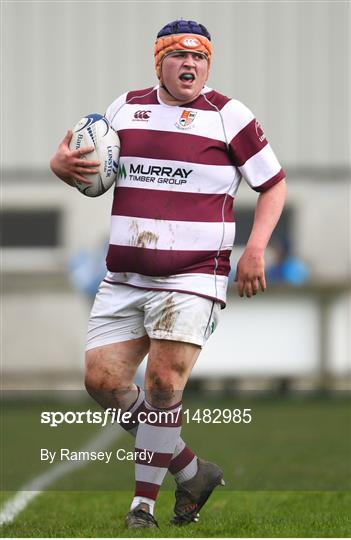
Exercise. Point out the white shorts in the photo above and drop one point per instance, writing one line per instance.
(121, 313)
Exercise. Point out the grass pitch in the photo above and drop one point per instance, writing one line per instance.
(287, 474)
(227, 514)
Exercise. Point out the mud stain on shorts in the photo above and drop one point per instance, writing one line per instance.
(168, 317)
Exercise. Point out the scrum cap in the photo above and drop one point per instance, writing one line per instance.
(182, 36)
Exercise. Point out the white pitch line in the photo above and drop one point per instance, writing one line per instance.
(32, 489)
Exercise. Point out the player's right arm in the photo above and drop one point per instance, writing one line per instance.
(70, 165)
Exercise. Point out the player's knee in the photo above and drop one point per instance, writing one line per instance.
(93, 385)
(162, 388)
(108, 393)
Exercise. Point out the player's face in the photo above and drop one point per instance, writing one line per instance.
(184, 74)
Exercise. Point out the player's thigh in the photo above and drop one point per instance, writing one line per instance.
(178, 325)
(110, 372)
(116, 340)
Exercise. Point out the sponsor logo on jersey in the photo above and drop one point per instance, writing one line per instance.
(142, 115)
(186, 119)
(154, 174)
(259, 132)
(121, 173)
(190, 43)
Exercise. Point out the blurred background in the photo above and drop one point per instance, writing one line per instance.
(287, 61)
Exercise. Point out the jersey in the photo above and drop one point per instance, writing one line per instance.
(172, 225)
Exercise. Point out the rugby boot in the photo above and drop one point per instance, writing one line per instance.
(140, 518)
(193, 494)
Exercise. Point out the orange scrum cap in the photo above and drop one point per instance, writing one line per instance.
(181, 36)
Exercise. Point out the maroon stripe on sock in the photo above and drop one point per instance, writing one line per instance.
(134, 419)
(181, 460)
(151, 408)
(159, 459)
(134, 402)
(146, 489)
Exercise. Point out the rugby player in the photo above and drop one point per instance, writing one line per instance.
(184, 150)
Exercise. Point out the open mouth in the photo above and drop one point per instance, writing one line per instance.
(187, 77)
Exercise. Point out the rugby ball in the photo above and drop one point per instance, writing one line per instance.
(95, 130)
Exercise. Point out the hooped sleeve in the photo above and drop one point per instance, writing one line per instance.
(250, 150)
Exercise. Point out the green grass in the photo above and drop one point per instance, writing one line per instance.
(227, 514)
(287, 473)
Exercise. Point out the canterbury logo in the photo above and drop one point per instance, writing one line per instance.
(190, 42)
(142, 115)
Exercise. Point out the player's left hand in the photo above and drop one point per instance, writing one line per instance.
(250, 275)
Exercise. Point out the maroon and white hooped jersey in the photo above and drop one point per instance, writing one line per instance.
(180, 167)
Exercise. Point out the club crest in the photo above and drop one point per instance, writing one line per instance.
(186, 119)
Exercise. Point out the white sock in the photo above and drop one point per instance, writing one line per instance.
(187, 473)
(138, 500)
